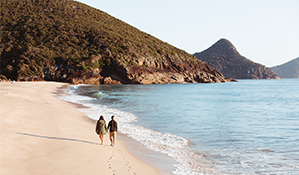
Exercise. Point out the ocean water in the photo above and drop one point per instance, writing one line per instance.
(245, 127)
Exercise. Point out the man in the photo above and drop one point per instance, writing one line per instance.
(112, 126)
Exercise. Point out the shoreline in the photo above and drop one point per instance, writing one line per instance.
(154, 159)
(42, 134)
(163, 163)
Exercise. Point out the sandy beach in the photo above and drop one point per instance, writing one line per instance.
(41, 134)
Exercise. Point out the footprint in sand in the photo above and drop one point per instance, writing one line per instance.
(127, 163)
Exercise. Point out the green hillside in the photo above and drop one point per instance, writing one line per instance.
(56, 39)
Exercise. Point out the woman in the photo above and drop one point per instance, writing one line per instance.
(101, 128)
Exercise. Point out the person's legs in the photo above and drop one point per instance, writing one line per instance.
(112, 138)
(102, 139)
(113, 143)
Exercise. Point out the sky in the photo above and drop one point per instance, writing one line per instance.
(264, 31)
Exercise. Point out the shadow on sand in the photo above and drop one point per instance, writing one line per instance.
(58, 138)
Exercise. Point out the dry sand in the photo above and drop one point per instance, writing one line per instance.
(41, 134)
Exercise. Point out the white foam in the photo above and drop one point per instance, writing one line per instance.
(166, 143)
(98, 95)
(74, 87)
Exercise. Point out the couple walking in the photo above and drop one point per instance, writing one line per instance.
(102, 129)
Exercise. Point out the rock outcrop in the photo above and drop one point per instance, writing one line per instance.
(224, 57)
(287, 70)
(171, 71)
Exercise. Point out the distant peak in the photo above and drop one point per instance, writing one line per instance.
(225, 44)
(224, 41)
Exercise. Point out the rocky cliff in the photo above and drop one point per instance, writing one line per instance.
(287, 70)
(68, 41)
(224, 57)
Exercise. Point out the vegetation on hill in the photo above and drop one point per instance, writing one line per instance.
(64, 39)
(224, 57)
(287, 70)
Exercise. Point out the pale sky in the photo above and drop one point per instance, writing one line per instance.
(264, 31)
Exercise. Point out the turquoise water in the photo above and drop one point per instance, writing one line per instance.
(245, 127)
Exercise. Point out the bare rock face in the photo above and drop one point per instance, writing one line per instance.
(109, 80)
(224, 57)
(151, 71)
(159, 78)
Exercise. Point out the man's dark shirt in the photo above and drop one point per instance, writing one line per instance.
(112, 125)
